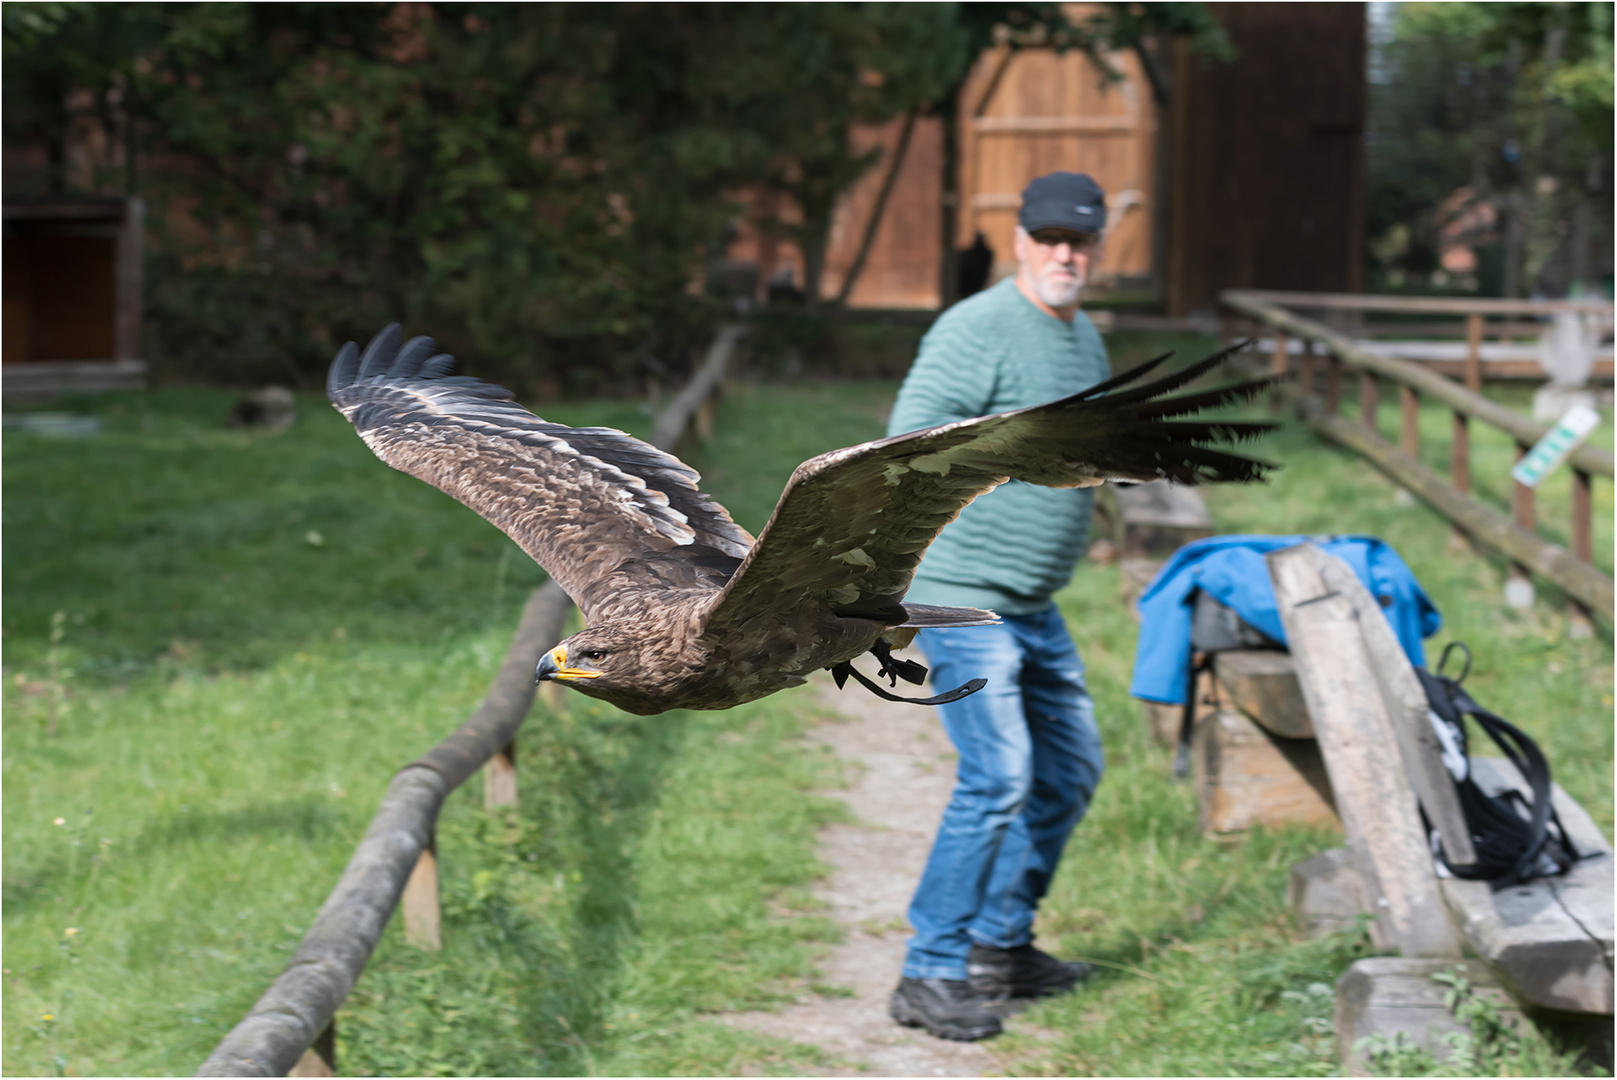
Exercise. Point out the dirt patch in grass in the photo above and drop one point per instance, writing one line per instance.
(899, 769)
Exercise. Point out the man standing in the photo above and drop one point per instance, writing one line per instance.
(1030, 753)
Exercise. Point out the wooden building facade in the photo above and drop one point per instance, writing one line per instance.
(1251, 175)
(72, 283)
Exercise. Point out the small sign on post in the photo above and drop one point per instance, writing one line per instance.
(1548, 453)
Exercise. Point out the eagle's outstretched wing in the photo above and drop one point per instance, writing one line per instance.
(852, 524)
(582, 502)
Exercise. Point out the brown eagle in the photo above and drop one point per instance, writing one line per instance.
(685, 609)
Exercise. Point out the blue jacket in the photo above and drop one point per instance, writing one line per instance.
(1231, 569)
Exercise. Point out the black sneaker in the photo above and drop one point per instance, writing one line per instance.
(945, 1007)
(1025, 971)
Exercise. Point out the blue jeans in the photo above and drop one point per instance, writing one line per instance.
(1030, 759)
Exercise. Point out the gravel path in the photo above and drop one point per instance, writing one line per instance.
(900, 769)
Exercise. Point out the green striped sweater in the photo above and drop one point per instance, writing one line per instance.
(1014, 547)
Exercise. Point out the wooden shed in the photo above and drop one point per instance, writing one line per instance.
(72, 299)
(1252, 176)
(1267, 157)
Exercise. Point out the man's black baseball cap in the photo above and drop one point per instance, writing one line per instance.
(1063, 200)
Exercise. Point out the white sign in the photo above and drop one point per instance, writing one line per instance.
(1556, 444)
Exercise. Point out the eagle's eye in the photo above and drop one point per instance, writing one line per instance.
(594, 654)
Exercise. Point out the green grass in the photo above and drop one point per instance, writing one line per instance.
(231, 699)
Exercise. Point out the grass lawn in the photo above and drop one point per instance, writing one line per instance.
(257, 631)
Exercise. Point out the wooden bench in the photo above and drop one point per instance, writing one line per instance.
(1548, 940)
(1254, 758)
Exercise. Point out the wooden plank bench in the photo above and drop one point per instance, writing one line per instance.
(1255, 758)
(1549, 940)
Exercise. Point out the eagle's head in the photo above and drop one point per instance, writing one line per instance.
(610, 663)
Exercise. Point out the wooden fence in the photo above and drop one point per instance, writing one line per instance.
(1475, 338)
(291, 1030)
(1514, 536)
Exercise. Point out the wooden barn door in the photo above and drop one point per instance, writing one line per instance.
(1034, 111)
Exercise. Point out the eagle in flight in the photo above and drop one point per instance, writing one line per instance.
(687, 610)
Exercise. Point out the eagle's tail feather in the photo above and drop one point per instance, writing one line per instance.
(1161, 408)
(1175, 380)
(924, 615)
(1133, 374)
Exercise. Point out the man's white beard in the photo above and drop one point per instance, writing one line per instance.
(1059, 294)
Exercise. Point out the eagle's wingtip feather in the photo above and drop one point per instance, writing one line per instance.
(381, 351)
(343, 368)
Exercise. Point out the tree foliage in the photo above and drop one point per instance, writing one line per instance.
(543, 186)
(1491, 123)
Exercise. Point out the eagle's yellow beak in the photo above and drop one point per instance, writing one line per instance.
(554, 666)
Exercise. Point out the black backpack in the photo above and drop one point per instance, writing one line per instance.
(1516, 836)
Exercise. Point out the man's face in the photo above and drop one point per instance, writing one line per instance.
(1056, 262)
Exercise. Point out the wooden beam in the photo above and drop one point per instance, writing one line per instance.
(1521, 496)
(1263, 685)
(1578, 579)
(1054, 125)
(320, 1059)
(500, 778)
(1279, 365)
(1406, 703)
(1460, 454)
(1473, 351)
(1002, 64)
(1582, 543)
(1246, 777)
(1428, 382)
(1362, 756)
(422, 926)
(1436, 305)
(1369, 399)
(1409, 420)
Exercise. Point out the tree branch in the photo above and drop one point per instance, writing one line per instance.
(877, 211)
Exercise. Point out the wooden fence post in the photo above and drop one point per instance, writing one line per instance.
(1333, 383)
(1369, 400)
(1409, 416)
(1358, 740)
(1519, 591)
(1473, 352)
(1279, 366)
(1305, 369)
(421, 918)
(1460, 453)
(500, 778)
(320, 1059)
(1582, 541)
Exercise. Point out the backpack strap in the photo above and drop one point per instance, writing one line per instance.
(1509, 848)
(1529, 760)
(1187, 719)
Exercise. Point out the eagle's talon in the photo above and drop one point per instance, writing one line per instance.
(895, 669)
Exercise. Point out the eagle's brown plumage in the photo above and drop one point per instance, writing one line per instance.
(685, 608)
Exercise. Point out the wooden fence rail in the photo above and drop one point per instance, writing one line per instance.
(291, 1027)
(1513, 536)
